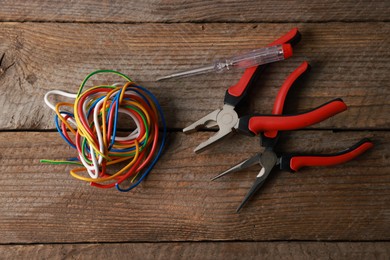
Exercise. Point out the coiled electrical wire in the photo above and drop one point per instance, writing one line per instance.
(93, 121)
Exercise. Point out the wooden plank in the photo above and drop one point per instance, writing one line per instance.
(350, 60)
(194, 11)
(177, 202)
(227, 250)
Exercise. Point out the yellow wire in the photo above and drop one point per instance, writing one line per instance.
(57, 109)
(83, 132)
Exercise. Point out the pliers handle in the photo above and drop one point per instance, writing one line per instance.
(237, 92)
(290, 82)
(293, 162)
(257, 123)
(269, 125)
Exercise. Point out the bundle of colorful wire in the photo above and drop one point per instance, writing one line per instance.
(94, 125)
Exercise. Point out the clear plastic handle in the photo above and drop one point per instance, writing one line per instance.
(255, 58)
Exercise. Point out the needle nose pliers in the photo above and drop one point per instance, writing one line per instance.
(290, 162)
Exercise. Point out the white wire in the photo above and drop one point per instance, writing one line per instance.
(57, 92)
(60, 93)
(97, 128)
(135, 133)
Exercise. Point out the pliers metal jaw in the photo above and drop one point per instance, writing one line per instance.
(226, 119)
(254, 160)
(267, 160)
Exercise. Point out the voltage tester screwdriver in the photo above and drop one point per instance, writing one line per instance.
(250, 59)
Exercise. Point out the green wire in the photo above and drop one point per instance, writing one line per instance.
(60, 162)
(101, 71)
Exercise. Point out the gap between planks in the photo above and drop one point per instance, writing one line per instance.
(201, 250)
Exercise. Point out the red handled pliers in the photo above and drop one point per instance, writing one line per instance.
(228, 120)
(290, 162)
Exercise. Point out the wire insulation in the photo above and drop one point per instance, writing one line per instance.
(107, 159)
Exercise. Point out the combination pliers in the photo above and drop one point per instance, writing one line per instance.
(228, 120)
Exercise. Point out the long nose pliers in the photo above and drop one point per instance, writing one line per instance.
(269, 159)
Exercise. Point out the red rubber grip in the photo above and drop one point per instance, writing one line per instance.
(301, 161)
(259, 124)
(240, 87)
(285, 38)
(287, 50)
(283, 91)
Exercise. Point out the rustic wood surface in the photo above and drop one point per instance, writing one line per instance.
(194, 11)
(348, 60)
(178, 202)
(335, 212)
(209, 250)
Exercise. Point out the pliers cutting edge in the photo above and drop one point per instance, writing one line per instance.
(290, 162)
(228, 120)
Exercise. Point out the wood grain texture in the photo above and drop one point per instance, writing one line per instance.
(221, 250)
(349, 61)
(178, 202)
(178, 213)
(194, 11)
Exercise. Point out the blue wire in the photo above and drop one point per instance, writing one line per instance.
(143, 176)
(115, 119)
(56, 119)
(94, 104)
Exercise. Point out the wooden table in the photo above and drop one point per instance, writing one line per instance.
(335, 212)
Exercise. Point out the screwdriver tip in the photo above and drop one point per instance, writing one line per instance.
(220, 175)
(239, 207)
(163, 78)
(214, 178)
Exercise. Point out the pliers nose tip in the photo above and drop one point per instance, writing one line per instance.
(213, 140)
(207, 121)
